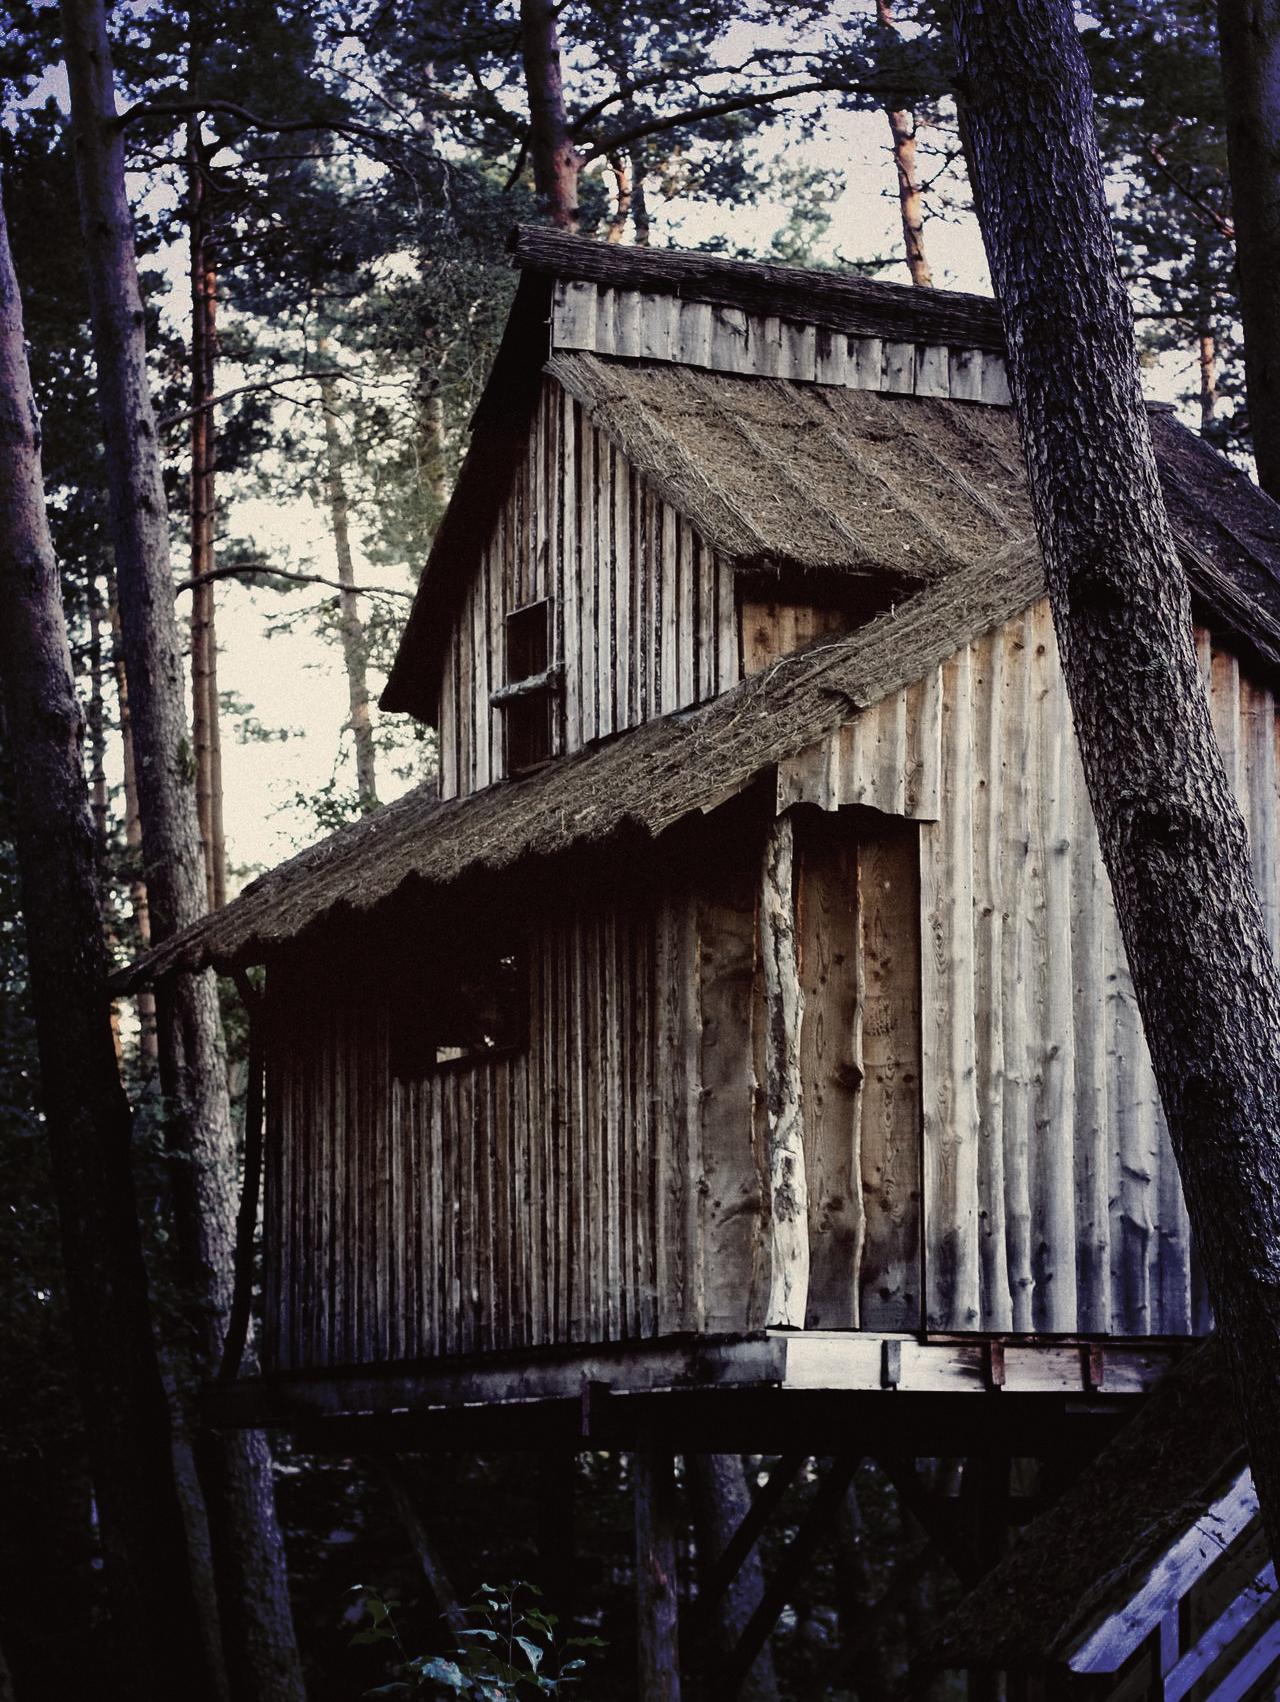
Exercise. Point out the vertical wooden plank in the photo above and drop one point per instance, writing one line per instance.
(489, 569)
(730, 347)
(589, 557)
(831, 356)
(466, 698)
(573, 315)
(625, 579)
(799, 359)
(606, 321)
(728, 669)
(693, 333)
(704, 571)
(1090, 901)
(949, 1087)
(932, 372)
(899, 373)
(964, 378)
(448, 726)
(1017, 969)
(989, 902)
(889, 1134)
(657, 326)
(784, 1016)
(606, 581)
(627, 340)
(668, 610)
(642, 592)
(687, 622)
(571, 576)
(995, 384)
(689, 1116)
(726, 922)
(1053, 1204)
(830, 1062)
(1131, 1121)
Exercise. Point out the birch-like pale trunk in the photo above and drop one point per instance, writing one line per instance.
(235, 1467)
(784, 1013)
(125, 1417)
(1172, 836)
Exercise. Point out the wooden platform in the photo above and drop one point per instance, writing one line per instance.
(819, 1390)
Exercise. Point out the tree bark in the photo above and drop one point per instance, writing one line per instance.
(657, 1596)
(1249, 38)
(720, 1498)
(1207, 362)
(1172, 836)
(262, 1657)
(902, 130)
(205, 721)
(350, 624)
(148, 1043)
(126, 1421)
(97, 728)
(640, 216)
(620, 166)
(556, 162)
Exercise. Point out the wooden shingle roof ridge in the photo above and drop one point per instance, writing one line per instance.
(645, 780)
(839, 300)
(1083, 1556)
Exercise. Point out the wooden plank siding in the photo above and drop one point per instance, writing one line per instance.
(645, 620)
(1052, 1200)
(636, 324)
(608, 1180)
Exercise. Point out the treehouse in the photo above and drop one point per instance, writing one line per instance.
(738, 1047)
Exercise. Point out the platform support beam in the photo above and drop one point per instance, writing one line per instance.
(657, 1595)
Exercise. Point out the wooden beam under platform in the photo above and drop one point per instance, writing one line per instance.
(764, 1392)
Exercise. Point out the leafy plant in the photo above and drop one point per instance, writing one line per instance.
(506, 1649)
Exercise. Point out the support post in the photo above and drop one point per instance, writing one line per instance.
(657, 1598)
(784, 1011)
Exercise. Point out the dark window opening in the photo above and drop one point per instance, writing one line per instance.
(529, 699)
(459, 1010)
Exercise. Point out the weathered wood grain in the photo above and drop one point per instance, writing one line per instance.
(784, 1014)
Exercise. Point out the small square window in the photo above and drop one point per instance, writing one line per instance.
(529, 697)
(461, 1009)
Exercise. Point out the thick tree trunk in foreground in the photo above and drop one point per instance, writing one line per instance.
(126, 1421)
(235, 1467)
(1172, 836)
(1249, 36)
(556, 162)
(350, 624)
(721, 1500)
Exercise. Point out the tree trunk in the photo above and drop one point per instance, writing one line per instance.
(205, 723)
(902, 128)
(350, 624)
(720, 1503)
(262, 1656)
(620, 166)
(1207, 361)
(657, 1598)
(556, 162)
(1249, 36)
(88, 1118)
(1172, 836)
(639, 202)
(148, 1044)
(97, 728)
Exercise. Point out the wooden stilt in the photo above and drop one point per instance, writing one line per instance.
(556, 1532)
(657, 1630)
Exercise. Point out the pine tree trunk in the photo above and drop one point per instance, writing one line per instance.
(620, 166)
(205, 720)
(721, 1500)
(639, 203)
(87, 1114)
(1249, 37)
(902, 128)
(235, 1467)
(148, 1044)
(97, 728)
(1207, 361)
(1172, 836)
(556, 162)
(351, 626)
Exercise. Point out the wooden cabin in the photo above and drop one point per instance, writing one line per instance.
(745, 1020)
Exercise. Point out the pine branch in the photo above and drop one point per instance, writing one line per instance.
(253, 570)
(168, 420)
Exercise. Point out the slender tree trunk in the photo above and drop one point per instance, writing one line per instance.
(1249, 36)
(1207, 360)
(902, 130)
(351, 626)
(1172, 836)
(403, 1483)
(721, 1500)
(97, 728)
(620, 166)
(205, 721)
(556, 162)
(639, 202)
(235, 1467)
(433, 472)
(88, 1119)
(148, 1044)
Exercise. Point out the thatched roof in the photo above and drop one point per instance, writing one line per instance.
(777, 473)
(927, 494)
(643, 781)
(1082, 1557)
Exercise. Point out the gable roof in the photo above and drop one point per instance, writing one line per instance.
(1160, 1474)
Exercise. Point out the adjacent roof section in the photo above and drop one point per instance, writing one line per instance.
(837, 300)
(643, 781)
(1146, 1487)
